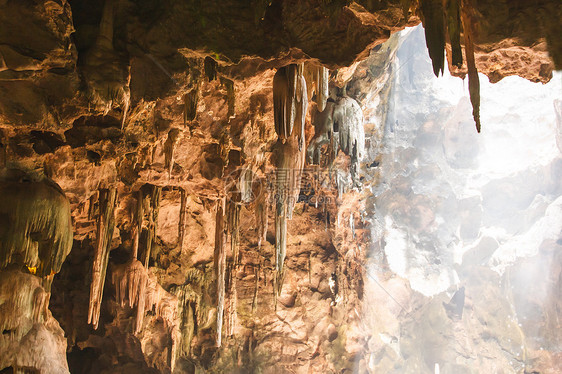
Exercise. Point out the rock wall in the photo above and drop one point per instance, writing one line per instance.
(154, 125)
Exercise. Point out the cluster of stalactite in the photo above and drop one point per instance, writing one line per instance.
(23, 298)
(227, 225)
(442, 21)
(36, 235)
(146, 220)
(191, 98)
(138, 287)
(317, 79)
(35, 226)
(220, 267)
(181, 221)
(105, 72)
(290, 103)
(338, 127)
(194, 308)
(105, 217)
(261, 214)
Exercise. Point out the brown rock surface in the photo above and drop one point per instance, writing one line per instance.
(138, 113)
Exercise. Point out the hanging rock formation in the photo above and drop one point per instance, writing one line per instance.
(107, 76)
(290, 105)
(107, 199)
(36, 227)
(35, 239)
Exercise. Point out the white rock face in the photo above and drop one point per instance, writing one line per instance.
(450, 195)
(466, 253)
(31, 337)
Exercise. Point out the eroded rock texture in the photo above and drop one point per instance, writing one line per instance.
(208, 164)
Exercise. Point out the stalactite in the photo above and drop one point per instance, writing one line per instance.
(181, 222)
(152, 221)
(220, 268)
(284, 100)
(339, 126)
(137, 223)
(256, 287)
(322, 88)
(166, 307)
(36, 226)
(434, 25)
(317, 80)
(210, 68)
(193, 311)
(473, 81)
(224, 147)
(301, 110)
(169, 148)
(190, 101)
(22, 297)
(104, 233)
(262, 218)
(233, 228)
(246, 184)
(188, 322)
(130, 281)
(231, 319)
(106, 74)
(230, 98)
(323, 128)
(454, 29)
(138, 287)
(280, 246)
(290, 152)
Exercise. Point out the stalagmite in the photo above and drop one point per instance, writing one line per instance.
(181, 222)
(107, 200)
(454, 29)
(434, 25)
(220, 268)
(473, 81)
(35, 225)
